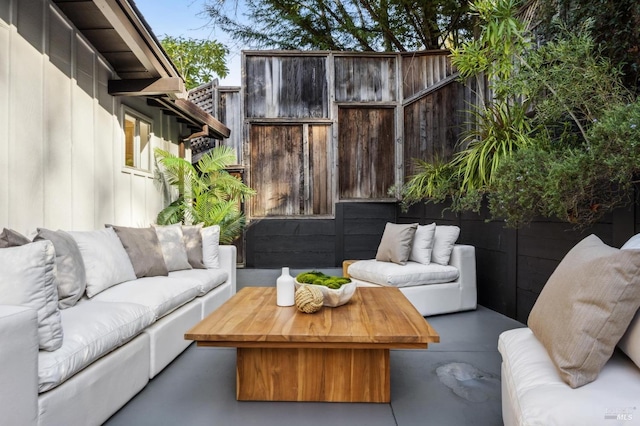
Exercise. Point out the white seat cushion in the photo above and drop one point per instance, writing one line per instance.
(536, 395)
(208, 279)
(161, 294)
(411, 274)
(91, 330)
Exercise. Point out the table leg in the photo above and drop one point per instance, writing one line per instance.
(304, 374)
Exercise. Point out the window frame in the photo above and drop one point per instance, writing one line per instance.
(138, 117)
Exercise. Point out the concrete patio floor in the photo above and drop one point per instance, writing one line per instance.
(454, 382)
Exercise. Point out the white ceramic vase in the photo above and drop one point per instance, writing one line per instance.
(285, 289)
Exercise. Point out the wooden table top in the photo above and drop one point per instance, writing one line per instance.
(373, 318)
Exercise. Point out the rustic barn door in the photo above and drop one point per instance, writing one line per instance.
(290, 170)
(366, 155)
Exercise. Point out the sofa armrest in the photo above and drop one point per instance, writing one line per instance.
(463, 257)
(228, 260)
(18, 365)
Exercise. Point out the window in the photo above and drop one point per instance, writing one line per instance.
(137, 142)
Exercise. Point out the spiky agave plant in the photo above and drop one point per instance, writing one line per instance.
(207, 193)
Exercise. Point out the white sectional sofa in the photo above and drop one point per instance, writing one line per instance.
(534, 394)
(113, 344)
(433, 289)
(437, 275)
(578, 361)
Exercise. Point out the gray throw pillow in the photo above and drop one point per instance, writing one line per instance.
(193, 244)
(11, 238)
(585, 307)
(143, 248)
(71, 277)
(396, 243)
(173, 248)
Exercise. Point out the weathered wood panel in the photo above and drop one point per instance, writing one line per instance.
(421, 70)
(365, 79)
(432, 127)
(276, 170)
(229, 113)
(366, 152)
(320, 156)
(286, 87)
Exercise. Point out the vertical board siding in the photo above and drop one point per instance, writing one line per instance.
(276, 172)
(362, 79)
(432, 127)
(5, 110)
(320, 154)
(229, 113)
(366, 152)
(61, 139)
(26, 94)
(286, 87)
(57, 154)
(422, 70)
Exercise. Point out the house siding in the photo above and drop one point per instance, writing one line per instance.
(61, 138)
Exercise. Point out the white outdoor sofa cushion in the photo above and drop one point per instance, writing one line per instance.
(410, 274)
(91, 329)
(534, 394)
(458, 294)
(161, 294)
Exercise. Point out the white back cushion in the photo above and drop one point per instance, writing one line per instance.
(423, 244)
(445, 238)
(105, 260)
(210, 243)
(28, 278)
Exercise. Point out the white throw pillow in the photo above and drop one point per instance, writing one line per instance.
(632, 243)
(172, 245)
(210, 243)
(423, 244)
(444, 240)
(105, 260)
(28, 278)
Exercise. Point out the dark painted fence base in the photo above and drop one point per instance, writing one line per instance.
(512, 265)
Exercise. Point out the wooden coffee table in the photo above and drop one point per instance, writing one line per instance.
(337, 354)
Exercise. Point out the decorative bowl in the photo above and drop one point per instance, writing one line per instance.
(334, 298)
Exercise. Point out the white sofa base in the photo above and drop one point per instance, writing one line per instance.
(166, 335)
(434, 299)
(97, 392)
(534, 394)
(19, 378)
(215, 298)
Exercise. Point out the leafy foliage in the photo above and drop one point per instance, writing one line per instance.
(560, 138)
(361, 25)
(196, 60)
(207, 193)
(578, 185)
(502, 37)
(615, 29)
